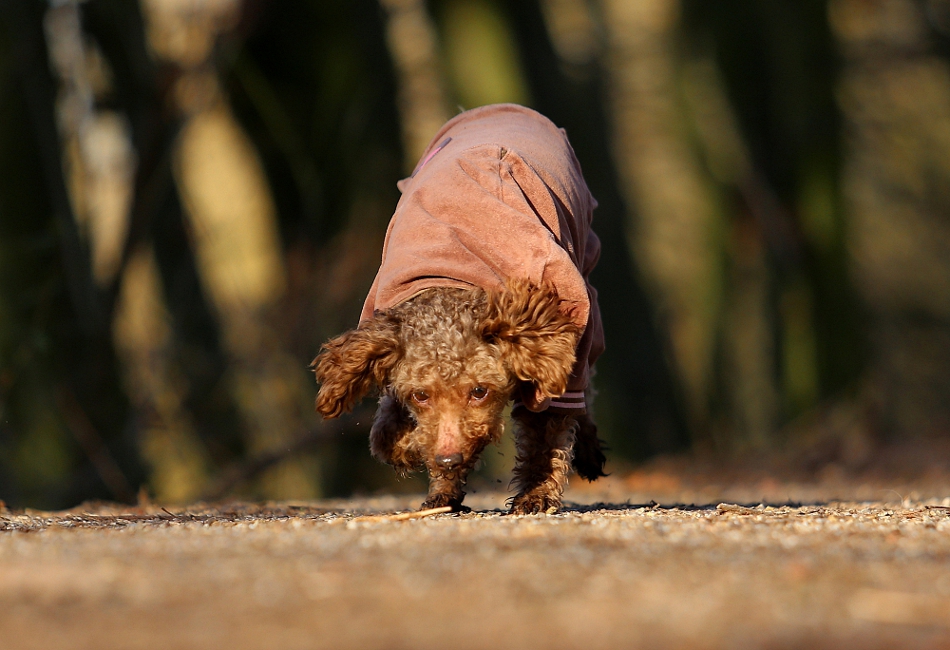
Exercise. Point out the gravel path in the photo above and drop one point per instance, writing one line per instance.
(346, 574)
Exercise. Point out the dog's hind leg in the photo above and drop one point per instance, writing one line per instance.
(544, 443)
(589, 456)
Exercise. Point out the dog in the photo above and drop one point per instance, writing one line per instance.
(482, 299)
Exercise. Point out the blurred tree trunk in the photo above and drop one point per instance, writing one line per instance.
(760, 81)
(116, 146)
(163, 326)
(315, 87)
(895, 96)
(747, 328)
(480, 53)
(672, 234)
(61, 378)
(678, 218)
(638, 407)
(235, 239)
(423, 107)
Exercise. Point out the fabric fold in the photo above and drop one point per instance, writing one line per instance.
(497, 194)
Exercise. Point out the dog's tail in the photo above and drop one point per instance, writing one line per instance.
(589, 456)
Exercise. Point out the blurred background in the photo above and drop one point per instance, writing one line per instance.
(194, 193)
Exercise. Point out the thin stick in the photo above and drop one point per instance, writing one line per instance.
(420, 513)
(402, 516)
(742, 510)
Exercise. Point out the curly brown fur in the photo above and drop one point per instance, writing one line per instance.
(534, 335)
(348, 365)
(544, 442)
(447, 361)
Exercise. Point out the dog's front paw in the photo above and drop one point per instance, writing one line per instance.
(533, 504)
(443, 500)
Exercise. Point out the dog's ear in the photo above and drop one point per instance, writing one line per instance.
(348, 365)
(538, 340)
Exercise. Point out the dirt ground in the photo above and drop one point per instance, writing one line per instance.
(671, 556)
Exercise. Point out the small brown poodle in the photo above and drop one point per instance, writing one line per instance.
(482, 299)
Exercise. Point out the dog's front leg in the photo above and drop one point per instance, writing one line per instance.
(445, 489)
(390, 440)
(544, 443)
(447, 475)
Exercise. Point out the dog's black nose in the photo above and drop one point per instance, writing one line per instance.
(449, 461)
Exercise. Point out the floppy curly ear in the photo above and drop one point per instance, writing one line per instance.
(349, 364)
(538, 340)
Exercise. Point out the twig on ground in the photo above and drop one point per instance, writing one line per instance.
(741, 510)
(402, 516)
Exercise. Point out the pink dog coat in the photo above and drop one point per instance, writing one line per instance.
(498, 194)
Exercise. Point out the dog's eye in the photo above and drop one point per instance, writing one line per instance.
(419, 396)
(479, 393)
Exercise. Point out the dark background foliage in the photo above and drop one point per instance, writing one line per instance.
(801, 296)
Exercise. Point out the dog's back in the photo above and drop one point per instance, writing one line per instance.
(498, 195)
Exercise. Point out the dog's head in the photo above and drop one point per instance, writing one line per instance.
(453, 358)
